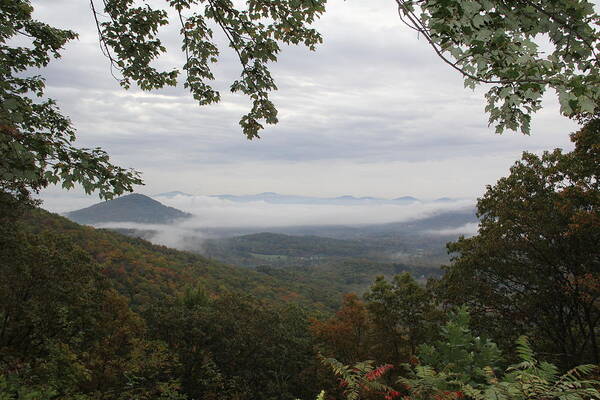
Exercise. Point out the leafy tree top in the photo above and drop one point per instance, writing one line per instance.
(534, 265)
(254, 29)
(500, 43)
(36, 140)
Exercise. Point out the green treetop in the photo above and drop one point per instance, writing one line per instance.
(521, 48)
(534, 266)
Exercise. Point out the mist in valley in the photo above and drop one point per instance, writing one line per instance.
(413, 232)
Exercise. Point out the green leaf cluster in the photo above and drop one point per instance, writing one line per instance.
(459, 353)
(36, 140)
(501, 44)
(532, 379)
(254, 30)
(462, 365)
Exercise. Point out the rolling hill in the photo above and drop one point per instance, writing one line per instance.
(267, 243)
(144, 272)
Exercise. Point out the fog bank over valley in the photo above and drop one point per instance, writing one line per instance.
(398, 229)
(215, 212)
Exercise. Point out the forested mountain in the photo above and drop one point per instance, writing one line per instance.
(129, 208)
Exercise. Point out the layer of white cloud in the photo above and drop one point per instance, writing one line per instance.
(469, 229)
(211, 212)
(214, 212)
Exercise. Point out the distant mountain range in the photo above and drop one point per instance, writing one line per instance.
(276, 198)
(143, 209)
(130, 208)
(419, 241)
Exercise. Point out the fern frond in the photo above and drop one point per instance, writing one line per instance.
(578, 371)
(525, 351)
(547, 371)
(337, 367)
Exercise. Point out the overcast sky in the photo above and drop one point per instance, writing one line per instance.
(372, 112)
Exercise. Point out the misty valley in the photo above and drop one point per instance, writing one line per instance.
(337, 259)
(419, 242)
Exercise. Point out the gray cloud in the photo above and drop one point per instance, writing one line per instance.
(212, 212)
(372, 112)
(176, 236)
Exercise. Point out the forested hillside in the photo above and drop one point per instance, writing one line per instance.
(90, 312)
(286, 251)
(126, 319)
(295, 246)
(144, 272)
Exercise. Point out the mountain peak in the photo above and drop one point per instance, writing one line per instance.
(133, 207)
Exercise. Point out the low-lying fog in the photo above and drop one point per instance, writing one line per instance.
(213, 213)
